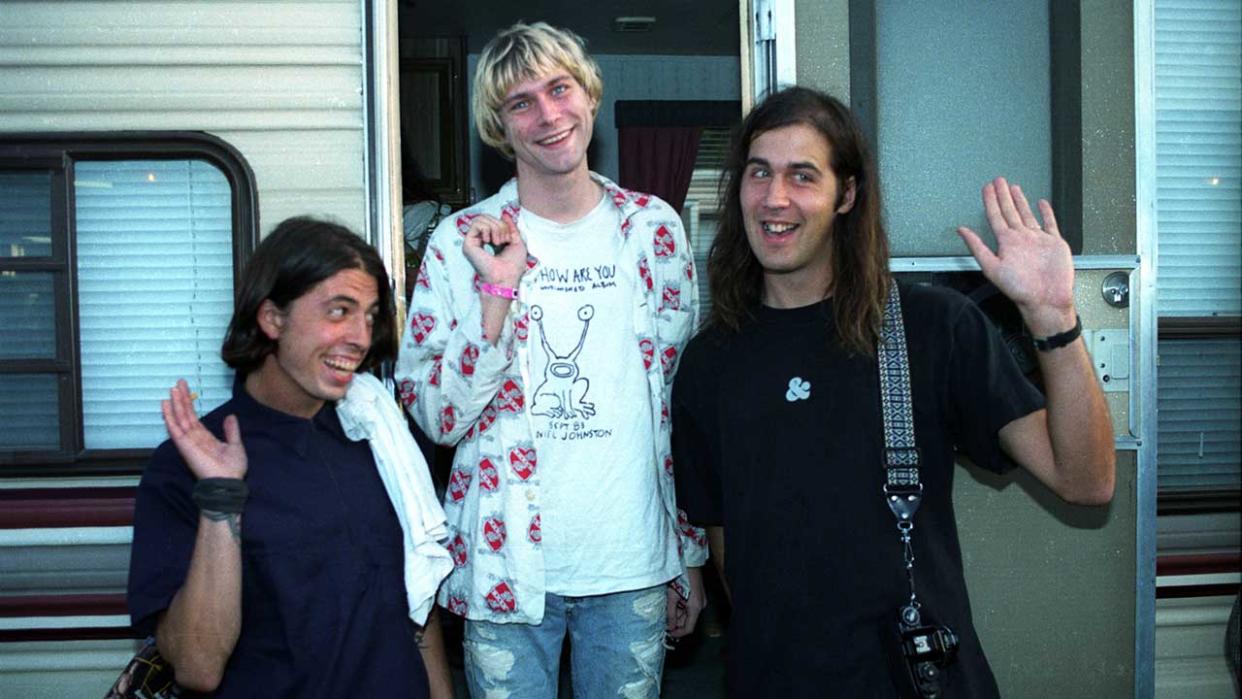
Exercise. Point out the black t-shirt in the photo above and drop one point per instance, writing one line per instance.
(324, 611)
(777, 436)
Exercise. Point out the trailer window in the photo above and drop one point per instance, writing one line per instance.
(116, 279)
(1198, 119)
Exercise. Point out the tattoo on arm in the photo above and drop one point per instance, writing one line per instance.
(232, 518)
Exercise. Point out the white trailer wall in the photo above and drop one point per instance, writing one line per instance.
(280, 81)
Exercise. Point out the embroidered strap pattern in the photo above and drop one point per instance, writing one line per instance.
(900, 454)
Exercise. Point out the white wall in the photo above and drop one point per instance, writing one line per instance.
(280, 81)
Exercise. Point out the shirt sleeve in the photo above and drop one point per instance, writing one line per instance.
(695, 453)
(987, 387)
(447, 372)
(677, 287)
(674, 277)
(165, 527)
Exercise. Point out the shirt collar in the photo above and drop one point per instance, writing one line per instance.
(627, 202)
(287, 430)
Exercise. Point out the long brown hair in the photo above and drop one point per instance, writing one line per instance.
(860, 275)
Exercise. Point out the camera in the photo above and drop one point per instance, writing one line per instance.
(928, 649)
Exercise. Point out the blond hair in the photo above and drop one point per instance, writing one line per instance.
(523, 52)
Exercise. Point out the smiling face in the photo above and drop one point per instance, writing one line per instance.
(790, 197)
(321, 339)
(548, 122)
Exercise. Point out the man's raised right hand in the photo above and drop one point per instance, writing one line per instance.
(206, 456)
(507, 264)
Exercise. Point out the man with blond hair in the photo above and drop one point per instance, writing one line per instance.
(545, 327)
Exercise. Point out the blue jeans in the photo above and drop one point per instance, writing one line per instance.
(616, 648)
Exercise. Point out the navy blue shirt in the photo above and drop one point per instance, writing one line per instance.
(324, 612)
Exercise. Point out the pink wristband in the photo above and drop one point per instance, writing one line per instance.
(503, 292)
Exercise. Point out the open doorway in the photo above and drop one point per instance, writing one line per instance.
(684, 54)
(680, 69)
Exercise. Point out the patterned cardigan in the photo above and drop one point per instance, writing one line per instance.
(463, 391)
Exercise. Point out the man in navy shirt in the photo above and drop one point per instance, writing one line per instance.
(267, 557)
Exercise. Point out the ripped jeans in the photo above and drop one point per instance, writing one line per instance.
(616, 649)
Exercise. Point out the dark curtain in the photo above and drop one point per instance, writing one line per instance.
(659, 160)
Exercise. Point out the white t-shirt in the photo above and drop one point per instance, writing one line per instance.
(604, 528)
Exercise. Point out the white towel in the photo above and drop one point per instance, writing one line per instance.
(370, 412)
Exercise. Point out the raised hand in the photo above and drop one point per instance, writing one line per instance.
(507, 264)
(1032, 265)
(206, 456)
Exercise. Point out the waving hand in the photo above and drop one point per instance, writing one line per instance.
(206, 456)
(1032, 264)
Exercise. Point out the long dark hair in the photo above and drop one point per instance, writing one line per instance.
(292, 259)
(860, 275)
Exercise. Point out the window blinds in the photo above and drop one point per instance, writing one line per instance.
(1199, 156)
(29, 403)
(1198, 67)
(155, 292)
(1200, 446)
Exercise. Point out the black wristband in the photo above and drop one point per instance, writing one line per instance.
(1047, 344)
(223, 495)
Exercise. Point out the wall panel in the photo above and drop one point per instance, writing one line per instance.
(281, 81)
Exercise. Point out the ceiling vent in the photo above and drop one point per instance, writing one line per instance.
(632, 25)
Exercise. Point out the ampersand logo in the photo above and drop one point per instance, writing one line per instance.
(799, 389)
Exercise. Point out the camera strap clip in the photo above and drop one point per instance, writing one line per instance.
(904, 503)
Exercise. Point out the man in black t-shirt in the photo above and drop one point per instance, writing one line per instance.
(778, 436)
